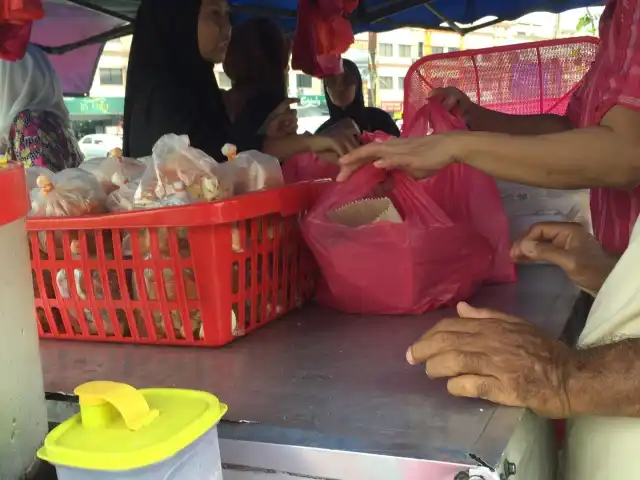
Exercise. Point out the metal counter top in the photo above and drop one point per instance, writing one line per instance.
(323, 387)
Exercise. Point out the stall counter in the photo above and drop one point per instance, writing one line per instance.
(324, 395)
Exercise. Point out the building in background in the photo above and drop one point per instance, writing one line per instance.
(102, 110)
(394, 52)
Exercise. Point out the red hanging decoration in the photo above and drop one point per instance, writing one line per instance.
(323, 33)
(16, 20)
(21, 11)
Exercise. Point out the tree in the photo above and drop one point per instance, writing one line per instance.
(588, 23)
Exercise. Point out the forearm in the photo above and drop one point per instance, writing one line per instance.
(575, 159)
(481, 119)
(285, 147)
(605, 380)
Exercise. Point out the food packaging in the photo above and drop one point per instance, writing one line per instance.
(365, 212)
(114, 171)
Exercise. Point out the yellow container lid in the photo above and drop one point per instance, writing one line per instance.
(121, 428)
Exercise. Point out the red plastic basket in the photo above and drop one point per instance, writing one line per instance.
(199, 275)
(522, 79)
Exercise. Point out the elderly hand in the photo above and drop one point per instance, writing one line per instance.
(346, 131)
(419, 156)
(497, 357)
(451, 98)
(569, 246)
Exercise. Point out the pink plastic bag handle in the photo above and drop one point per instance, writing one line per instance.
(363, 182)
(440, 119)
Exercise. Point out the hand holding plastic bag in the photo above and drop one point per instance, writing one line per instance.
(425, 262)
(464, 193)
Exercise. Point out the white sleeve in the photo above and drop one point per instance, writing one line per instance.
(616, 310)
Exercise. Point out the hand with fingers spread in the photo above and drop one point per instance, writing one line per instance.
(497, 357)
(419, 156)
(569, 246)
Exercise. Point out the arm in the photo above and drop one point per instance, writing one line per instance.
(604, 156)
(614, 369)
(285, 147)
(482, 119)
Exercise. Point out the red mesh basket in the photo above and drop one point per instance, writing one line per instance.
(200, 275)
(521, 79)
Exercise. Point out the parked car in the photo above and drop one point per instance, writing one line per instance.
(99, 145)
(311, 117)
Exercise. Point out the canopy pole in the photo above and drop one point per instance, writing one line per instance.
(454, 26)
(100, 38)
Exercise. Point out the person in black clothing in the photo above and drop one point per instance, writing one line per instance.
(346, 100)
(171, 87)
(257, 63)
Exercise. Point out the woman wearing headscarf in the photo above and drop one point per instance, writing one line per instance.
(171, 87)
(345, 99)
(34, 121)
(257, 63)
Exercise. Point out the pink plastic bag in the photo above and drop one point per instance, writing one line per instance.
(307, 166)
(480, 205)
(395, 268)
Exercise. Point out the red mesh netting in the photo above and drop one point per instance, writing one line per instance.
(522, 79)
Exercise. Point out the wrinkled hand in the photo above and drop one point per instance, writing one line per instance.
(345, 131)
(497, 357)
(419, 156)
(336, 142)
(283, 121)
(452, 98)
(569, 246)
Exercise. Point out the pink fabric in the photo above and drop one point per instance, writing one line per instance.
(613, 79)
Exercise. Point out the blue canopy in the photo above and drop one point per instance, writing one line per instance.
(381, 15)
(74, 31)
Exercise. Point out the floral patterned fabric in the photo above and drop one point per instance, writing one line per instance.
(41, 139)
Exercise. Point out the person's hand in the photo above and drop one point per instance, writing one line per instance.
(452, 98)
(569, 246)
(283, 121)
(419, 156)
(331, 147)
(497, 357)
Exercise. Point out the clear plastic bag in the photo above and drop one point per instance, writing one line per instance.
(114, 171)
(121, 200)
(253, 171)
(176, 164)
(70, 193)
(32, 174)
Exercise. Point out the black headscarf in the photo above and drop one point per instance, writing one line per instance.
(170, 87)
(368, 119)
